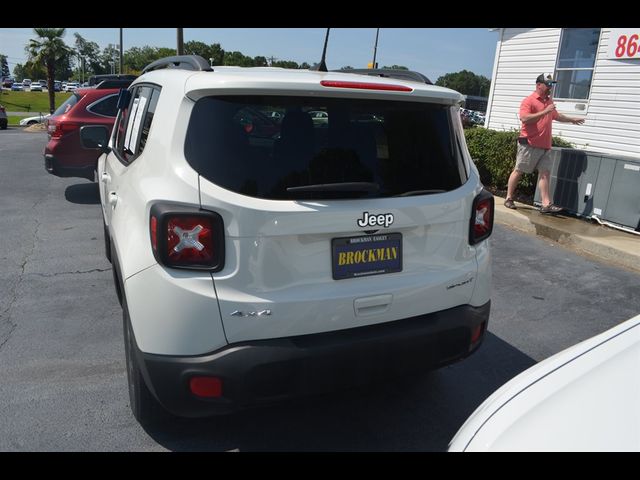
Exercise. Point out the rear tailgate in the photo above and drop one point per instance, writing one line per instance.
(278, 279)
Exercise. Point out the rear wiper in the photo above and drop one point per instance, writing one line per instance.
(419, 192)
(337, 187)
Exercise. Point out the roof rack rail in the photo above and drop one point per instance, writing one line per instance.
(113, 84)
(184, 62)
(391, 73)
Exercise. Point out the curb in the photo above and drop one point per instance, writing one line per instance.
(604, 243)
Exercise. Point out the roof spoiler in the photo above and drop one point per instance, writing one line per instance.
(390, 73)
(113, 84)
(184, 62)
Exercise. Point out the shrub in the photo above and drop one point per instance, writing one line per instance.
(494, 153)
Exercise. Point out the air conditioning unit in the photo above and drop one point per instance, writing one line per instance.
(589, 184)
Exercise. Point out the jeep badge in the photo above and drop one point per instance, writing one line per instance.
(382, 220)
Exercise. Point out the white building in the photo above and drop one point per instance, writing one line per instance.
(598, 74)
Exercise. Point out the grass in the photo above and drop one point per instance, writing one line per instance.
(14, 121)
(30, 101)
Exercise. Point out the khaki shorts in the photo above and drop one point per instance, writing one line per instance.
(531, 158)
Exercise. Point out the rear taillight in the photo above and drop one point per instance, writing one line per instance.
(481, 223)
(59, 129)
(182, 237)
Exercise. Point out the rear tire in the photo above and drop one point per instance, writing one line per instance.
(145, 408)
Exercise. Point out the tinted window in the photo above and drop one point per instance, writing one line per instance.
(135, 123)
(68, 103)
(147, 120)
(400, 146)
(107, 106)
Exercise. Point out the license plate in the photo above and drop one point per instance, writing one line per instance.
(366, 255)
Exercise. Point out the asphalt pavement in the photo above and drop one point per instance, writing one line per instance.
(63, 376)
(584, 236)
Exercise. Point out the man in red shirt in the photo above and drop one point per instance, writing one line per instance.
(537, 112)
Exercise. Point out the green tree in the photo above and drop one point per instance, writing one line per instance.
(238, 59)
(285, 64)
(466, 82)
(194, 47)
(34, 70)
(46, 49)
(4, 66)
(217, 53)
(109, 59)
(260, 61)
(89, 56)
(162, 52)
(18, 71)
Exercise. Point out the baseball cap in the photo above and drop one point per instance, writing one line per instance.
(546, 78)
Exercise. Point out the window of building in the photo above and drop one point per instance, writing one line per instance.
(574, 68)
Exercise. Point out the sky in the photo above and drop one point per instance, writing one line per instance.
(430, 51)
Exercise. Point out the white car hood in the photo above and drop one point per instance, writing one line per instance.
(585, 398)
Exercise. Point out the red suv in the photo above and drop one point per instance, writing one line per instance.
(64, 156)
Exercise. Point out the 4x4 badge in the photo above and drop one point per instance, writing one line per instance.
(382, 220)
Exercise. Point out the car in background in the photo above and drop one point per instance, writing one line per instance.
(7, 82)
(35, 87)
(71, 86)
(4, 120)
(63, 154)
(26, 82)
(43, 83)
(17, 87)
(319, 117)
(584, 398)
(25, 122)
(57, 86)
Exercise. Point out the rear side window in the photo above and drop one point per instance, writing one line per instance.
(267, 146)
(67, 104)
(105, 107)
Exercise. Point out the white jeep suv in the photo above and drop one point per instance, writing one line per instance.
(258, 259)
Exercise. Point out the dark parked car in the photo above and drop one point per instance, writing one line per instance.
(96, 79)
(64, 155)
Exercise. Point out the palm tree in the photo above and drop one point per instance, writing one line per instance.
(47, 49)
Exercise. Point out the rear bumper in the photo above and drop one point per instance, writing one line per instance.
(267, 371)
(54, 167)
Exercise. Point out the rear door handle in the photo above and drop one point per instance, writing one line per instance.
(113, 198)
(372, 305)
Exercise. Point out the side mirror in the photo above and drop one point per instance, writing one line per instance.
(123, 98)
(95, 136)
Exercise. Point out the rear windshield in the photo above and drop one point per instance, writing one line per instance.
(318, 148)
(66, 106)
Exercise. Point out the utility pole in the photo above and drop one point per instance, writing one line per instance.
(180, 48)
(121, 57)
(375, 49)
